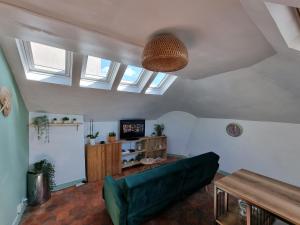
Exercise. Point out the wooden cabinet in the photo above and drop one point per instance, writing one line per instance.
(103, 160)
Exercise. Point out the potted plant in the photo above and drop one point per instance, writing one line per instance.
(74, 120)
(66, 119)
(92, 138)
(111, 137)
(40, 182)
(54, 120)
(41, 124)
(159, 129)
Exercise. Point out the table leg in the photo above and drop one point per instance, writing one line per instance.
(248, 214)
(226, 201)
(215, 203)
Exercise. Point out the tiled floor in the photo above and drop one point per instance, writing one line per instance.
(84, 206)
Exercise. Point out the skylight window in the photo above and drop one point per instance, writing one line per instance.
(160, 84)
(97, 68)
(98, 72)
(158, 80)
(132, 75)
(134, 79)
(47, 58)
(45, 63)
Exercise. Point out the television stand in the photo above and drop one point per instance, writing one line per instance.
(145, 147)
(132, 139)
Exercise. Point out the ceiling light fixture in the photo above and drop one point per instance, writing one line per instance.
(164, 53)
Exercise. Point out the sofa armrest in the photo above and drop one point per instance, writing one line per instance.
(114, 201)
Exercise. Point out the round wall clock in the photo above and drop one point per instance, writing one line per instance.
(234, 130)
(5, 101)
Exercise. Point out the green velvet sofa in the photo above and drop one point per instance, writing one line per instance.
(136, 198)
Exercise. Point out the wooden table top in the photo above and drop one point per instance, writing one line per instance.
(277, 197)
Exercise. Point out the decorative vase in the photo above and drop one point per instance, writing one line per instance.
(38, 191)
(111, 139)
(92, 141)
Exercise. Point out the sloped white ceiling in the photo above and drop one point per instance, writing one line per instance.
(221, 38)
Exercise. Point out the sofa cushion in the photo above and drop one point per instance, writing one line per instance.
(200, 170)
(149, 188)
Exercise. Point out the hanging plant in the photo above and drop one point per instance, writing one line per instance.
(41, 124)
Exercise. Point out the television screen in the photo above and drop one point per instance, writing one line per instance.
(132, 129)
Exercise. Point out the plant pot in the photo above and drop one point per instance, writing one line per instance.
(67, 121)
(158, 133)
(38, 191)
(92, 141)
(111, 139)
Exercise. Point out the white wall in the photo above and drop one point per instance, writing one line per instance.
(264, 147)
(268, 148)
(178, 127)
(65, 150)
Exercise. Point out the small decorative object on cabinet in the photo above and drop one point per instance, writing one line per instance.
(54, 120)
(234, 130)
(111, 137)
(5, 101)
(92, 138)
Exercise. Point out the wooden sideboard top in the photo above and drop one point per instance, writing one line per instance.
(277, 197)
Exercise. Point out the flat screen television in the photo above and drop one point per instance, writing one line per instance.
(132, 129)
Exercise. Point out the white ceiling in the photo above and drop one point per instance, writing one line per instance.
(230, 43)
(219, 35)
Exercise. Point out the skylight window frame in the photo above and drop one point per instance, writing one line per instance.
(144, 77)
(41, 75)
(31, 66)
(99, 83)
(163, 86)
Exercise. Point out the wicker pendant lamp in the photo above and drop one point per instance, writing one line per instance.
(164, 53)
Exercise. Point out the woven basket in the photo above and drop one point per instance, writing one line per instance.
(164, 53)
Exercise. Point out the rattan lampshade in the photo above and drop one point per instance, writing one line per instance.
(164, 53)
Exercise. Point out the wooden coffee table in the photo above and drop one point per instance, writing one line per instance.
(265, 199)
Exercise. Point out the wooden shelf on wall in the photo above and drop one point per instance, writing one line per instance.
(61, 125)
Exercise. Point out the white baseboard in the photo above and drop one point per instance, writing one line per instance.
(20, 211)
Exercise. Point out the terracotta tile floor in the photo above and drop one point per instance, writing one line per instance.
(84, 206)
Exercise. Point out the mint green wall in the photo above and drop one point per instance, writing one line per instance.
(13, 149)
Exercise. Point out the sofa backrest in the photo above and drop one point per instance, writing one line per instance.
(151, 187)
(200, 170)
